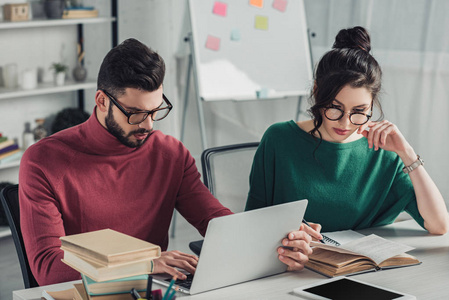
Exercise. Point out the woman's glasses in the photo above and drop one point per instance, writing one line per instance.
(357, 118)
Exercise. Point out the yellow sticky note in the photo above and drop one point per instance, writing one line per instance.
(256, 3)
(261, 22)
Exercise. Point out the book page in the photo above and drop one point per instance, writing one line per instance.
(376, 248)
(343, 236)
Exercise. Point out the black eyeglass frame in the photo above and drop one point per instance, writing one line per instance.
(148, 112)
(368, 116)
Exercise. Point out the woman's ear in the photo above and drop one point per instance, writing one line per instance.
(100, 101)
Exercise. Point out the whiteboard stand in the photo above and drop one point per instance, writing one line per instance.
(197, 96)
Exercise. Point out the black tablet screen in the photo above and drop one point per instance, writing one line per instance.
(345, 289)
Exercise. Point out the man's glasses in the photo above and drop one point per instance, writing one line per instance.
(357, 118)
(135, 118)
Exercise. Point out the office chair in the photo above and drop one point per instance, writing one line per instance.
(226, 172)
(10, 201)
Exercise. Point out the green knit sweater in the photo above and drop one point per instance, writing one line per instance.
(348, 185)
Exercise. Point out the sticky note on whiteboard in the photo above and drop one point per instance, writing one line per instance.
(280, 5)
(220, 8)
(235, 35)
(256, 3)
(213, 43)
(261, 22)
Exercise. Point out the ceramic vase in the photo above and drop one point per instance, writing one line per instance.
(59, 78)
(54, 8)
(79, 73)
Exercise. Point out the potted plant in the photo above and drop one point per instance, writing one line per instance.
(60, 71)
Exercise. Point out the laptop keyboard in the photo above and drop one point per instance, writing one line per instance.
(186, 283)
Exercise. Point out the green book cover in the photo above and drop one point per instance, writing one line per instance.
(116, 286)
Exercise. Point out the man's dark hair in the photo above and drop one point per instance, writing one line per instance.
(131, 65)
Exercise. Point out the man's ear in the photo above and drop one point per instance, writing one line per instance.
(101, 101)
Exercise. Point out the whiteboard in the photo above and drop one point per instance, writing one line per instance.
(244, 52)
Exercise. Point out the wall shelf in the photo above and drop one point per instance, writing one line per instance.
(47, 88)
(53, 23)
(11, 164)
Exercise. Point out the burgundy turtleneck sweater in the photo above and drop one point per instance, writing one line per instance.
(83, 179)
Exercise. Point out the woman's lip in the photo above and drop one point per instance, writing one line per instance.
(340, 131)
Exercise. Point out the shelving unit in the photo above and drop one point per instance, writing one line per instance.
(51, 88)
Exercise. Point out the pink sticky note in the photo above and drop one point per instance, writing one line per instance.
(280, 5)
(220, 8)
(213, 43)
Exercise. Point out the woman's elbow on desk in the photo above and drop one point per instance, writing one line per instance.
(438, 228)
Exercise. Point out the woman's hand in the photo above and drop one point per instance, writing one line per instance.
(296, 247)
(169, 261)
(385, 135)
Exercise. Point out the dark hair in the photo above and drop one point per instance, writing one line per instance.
(131, 65)
(348, 63)
(67, 118)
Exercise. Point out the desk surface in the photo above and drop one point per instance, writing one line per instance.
(426, 281)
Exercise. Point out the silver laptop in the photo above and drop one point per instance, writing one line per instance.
(242, 247)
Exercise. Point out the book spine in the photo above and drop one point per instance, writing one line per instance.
(9, 148)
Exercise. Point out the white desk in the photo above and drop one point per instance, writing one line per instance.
(426, 281)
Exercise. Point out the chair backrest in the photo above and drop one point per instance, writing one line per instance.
(10, 201)
(226, 172)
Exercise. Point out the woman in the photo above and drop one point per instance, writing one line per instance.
(356, 173)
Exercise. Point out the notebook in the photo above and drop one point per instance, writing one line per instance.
(243, 247)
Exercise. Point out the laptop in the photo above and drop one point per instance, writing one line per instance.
(242, 247)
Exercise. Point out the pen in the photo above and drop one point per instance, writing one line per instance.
(149, 287)
(172, 295)
(166, 295)
(135, 294)
(305, 222)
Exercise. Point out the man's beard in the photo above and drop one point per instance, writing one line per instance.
(114, 128)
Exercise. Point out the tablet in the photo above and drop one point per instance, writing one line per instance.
(339, 288)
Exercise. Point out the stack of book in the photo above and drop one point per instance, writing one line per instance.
(79, 13)
(110, 262)
(9, 150)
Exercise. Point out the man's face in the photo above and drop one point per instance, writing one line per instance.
(132, 101)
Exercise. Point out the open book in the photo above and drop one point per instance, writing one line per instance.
(368, 253)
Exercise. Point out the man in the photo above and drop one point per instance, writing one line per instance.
(115, 171)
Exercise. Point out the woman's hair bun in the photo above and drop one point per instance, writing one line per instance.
(354, 38)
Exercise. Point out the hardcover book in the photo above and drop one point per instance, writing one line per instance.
(116, 286)
(108, 247)
(101, 273)
(369, 253)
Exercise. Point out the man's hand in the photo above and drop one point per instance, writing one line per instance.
(298, 243)
(171, 260)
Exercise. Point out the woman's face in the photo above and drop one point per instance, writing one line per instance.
(350, 100)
